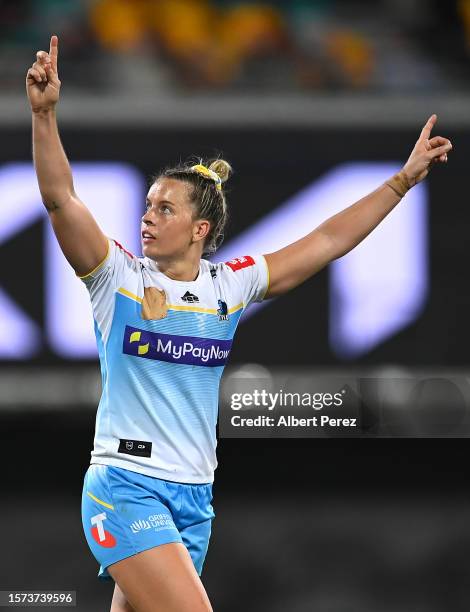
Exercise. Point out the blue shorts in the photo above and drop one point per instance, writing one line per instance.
(124, 513)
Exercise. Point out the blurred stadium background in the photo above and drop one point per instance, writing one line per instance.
(314, 103)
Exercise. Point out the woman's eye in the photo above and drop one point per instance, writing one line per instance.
(165, 209)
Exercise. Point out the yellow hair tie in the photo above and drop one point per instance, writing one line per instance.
(207, 173)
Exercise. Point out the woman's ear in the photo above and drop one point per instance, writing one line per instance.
(201, 229)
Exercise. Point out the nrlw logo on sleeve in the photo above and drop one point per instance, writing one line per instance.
(240, 262)
(189, 350)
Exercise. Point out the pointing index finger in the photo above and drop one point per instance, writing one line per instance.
(426, 131)
(54, 52)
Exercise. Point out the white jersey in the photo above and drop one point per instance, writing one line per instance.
(160, 377)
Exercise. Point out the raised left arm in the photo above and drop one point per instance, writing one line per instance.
(339, 234)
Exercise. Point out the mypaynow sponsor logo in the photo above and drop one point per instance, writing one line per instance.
(189, 350)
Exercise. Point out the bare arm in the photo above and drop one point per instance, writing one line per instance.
(339, 234)
(80, 238)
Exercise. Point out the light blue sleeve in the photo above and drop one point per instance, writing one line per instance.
(103, 282)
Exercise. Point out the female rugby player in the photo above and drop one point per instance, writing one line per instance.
(164, 325)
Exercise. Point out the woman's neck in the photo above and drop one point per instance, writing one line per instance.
(180, 269)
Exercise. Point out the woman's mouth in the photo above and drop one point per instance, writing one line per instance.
(147, 237)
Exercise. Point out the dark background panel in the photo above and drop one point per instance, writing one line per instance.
(270, 166)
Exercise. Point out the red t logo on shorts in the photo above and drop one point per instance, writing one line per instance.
(99, 533)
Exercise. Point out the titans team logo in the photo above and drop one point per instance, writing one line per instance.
(222, 311)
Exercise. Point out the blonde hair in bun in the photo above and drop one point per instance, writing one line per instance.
(222, 168)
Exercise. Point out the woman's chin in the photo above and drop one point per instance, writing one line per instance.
(153, 252)
(149, 250)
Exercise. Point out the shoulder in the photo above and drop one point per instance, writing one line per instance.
(243, 266)
(117, 245)
(122, 261)
(250, 273)
(243, 270)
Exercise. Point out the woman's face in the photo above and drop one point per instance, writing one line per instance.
(168, 227)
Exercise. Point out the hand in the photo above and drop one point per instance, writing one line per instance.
(42, 80)
(427, 151)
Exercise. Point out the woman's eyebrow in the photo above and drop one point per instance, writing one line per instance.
(148, 201)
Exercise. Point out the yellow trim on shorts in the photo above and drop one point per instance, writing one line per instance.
(97, 267)
(106, 505)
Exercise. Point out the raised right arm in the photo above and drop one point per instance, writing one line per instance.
(83, 243)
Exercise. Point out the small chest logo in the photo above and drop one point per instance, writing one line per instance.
(140, 448)
(222, 311)
(190, 298)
